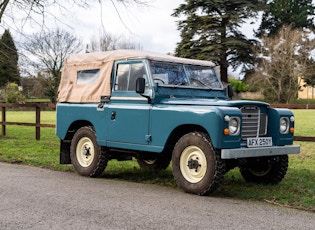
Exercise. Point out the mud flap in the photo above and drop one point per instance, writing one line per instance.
(65, 152)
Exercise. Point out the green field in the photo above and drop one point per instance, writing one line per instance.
(296, 190)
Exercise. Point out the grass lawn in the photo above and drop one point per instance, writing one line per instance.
(296, 190)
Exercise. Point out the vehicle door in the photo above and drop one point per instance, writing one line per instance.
(128, 111)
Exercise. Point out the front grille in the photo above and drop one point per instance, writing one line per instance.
(254, 123)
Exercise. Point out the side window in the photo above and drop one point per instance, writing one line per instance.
(136, 71)
(122, 77)
(127, 75)
(87, 76)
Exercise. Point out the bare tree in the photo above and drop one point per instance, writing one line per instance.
(103, 43)
(111, 42)
(282, 60)
(125, 43)
(31, 7)
(48, 51)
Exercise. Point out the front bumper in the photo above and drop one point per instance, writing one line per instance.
(259, 152)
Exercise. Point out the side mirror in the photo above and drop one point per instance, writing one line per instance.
(140, 85)
(230, 91)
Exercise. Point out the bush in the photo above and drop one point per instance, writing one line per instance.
(304, 101)
(13, 95)
(239, 86)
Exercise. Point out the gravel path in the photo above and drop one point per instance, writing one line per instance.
(35, 198)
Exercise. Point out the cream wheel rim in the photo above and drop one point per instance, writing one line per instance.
(193, 164)
(85, 152)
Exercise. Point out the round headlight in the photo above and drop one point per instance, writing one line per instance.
(284, 125)
(234, 126)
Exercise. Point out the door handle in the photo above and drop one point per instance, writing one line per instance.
(113, 117)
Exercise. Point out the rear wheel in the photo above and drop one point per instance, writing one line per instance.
(86, 155)
(269, 170)
(197, 168)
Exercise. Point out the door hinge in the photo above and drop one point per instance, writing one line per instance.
(148, 138)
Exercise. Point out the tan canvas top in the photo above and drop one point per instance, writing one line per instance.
(70, 91)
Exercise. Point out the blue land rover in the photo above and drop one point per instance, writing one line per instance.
(161, 109)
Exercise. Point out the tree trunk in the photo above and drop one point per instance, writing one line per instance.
(224, 71)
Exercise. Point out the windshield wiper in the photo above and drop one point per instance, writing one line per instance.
(201, 83)
(180, 83)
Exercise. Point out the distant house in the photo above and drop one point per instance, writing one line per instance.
(306, 92)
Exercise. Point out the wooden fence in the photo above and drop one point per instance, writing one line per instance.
(297, 106)
(294, 106)
(37, 106)
(40, 105)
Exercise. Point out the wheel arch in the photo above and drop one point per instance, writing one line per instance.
(75, 126)
(180, 131)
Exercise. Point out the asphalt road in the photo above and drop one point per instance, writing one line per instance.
(35, 198)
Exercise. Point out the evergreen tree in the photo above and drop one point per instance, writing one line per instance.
(297, 14)
(8, 60)
(211, 32)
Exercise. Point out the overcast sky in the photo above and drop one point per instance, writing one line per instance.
(149, 25)
(152, 26)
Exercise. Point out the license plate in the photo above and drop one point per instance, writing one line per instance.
(253, 142)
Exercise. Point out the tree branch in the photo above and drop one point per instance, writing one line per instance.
(3, 6)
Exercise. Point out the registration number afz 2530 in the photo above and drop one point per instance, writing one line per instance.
(253, 142)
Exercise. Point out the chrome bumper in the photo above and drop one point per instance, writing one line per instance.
(259, 152)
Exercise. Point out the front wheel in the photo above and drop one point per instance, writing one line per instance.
(268, 170)
(197, 168)
(86, 155)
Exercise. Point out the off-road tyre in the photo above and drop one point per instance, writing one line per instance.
(87, 156)
(265, 170)
(197, 167)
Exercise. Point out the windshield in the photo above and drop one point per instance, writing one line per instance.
(177, 74)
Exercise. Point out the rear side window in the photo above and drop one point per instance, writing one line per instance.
(87, 76)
